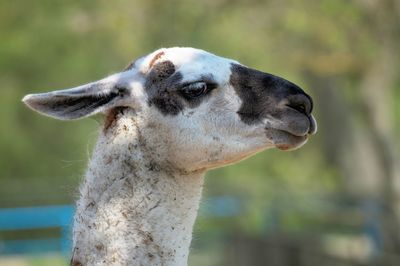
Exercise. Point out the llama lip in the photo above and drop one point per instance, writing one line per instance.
(294, 141)
(285, 140)
(291, 142)
(300, 129)
(313, 125)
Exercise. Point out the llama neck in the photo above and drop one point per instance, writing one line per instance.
(134, 209)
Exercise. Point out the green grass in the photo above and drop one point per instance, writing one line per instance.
(46, 260)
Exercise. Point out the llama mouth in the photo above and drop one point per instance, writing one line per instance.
(285, 140)
(308, 126)
(288, 138)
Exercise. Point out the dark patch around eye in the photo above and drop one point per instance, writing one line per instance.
(158, 86)
(163, 88)
(167, 105)
(161, 71)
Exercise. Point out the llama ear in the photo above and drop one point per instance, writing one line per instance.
(81, 101)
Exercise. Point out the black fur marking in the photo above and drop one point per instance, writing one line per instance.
(260, 93)
(163, 87)
(73, 106)
(159, 86)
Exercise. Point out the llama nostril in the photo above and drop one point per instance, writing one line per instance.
(301, 103)
(299, 107)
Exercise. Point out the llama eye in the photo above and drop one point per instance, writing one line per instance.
(194, 90)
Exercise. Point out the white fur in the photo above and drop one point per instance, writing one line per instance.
(141, 192)
(183, 147)
(129, 215)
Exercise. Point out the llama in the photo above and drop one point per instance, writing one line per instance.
(169, 117)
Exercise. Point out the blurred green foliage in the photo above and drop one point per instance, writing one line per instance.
(52, 45)
(344, 53)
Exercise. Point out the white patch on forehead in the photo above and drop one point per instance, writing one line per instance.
(190, 62)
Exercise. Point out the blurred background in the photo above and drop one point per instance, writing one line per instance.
(336, 201)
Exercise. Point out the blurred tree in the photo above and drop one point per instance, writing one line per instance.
(344, 53)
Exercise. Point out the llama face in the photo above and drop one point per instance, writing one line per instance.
(215, 111)
(208, 110)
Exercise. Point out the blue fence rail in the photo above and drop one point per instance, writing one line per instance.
(33, 218)
(29, 218)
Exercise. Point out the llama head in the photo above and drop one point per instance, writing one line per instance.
(202, 110)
